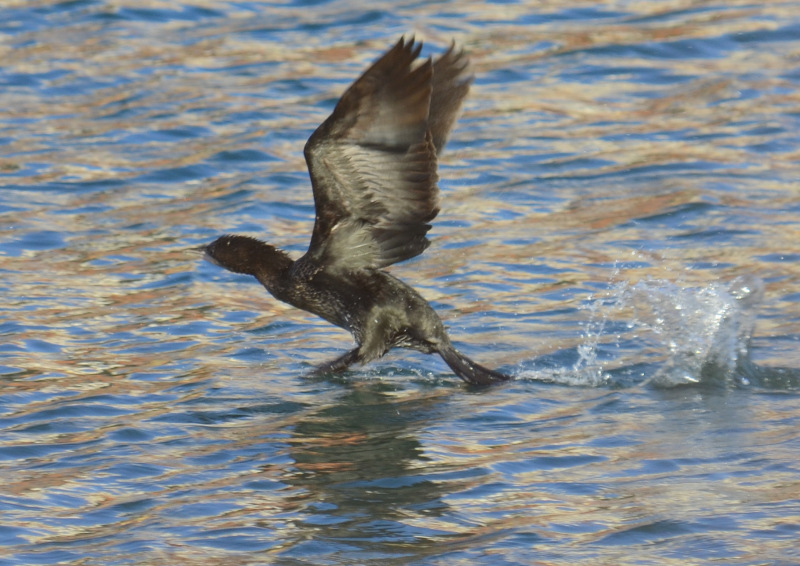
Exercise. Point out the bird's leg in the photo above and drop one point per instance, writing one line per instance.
(338, 365)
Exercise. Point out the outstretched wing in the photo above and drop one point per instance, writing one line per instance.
(373, 161)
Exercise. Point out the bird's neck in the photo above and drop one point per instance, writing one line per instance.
(274, 272)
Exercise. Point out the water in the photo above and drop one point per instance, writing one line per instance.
(619, 231)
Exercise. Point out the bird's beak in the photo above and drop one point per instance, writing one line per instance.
(199, 249)
(203, 250)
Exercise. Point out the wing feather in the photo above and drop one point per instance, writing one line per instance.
(373, 162)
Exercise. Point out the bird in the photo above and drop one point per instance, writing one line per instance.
(373, 170)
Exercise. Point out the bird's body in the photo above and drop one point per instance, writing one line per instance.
(373, 169)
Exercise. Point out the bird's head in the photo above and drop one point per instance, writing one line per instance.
(240, 254)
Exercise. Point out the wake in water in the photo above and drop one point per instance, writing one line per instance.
(671, 335)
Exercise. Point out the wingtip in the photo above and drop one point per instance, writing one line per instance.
(457, 58)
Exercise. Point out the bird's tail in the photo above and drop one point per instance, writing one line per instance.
(471, 372)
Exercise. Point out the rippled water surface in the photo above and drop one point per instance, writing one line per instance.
(620, 230)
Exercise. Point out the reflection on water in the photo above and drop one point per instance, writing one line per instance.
(619, 230)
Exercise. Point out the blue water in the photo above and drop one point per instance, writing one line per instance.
(620, 231)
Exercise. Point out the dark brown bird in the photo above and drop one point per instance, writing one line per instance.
(373, 172)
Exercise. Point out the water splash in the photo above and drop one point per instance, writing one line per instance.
(681, 335)
(662, 333)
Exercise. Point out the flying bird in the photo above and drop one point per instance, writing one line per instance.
(373, 168)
